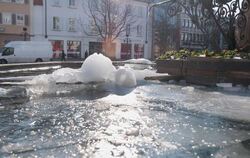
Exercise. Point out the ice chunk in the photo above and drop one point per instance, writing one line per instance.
(125, 77)
(97, 68)
(3, 91)
(141, 74)
(140, 61)
(67, 75)
(224, 85)
(238, 58)
(188, 89)
(42, 80)
(139, 64)
(234, 89)
(133, 132)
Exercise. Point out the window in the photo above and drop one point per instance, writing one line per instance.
(182, 36)
(72, 3)
(129, 7)
(20, 19)
(186, 36)
(20, 1)
(5, 1)
(73, 49)
(56, 3)
(140, 12)
(93, 28)
(7, 18)
(8, 51)
(127, 29)
(139, 30)
(72, 24)
(56, 23)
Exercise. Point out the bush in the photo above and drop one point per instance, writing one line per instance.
(184, 54)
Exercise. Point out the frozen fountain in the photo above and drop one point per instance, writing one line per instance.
(100, 110)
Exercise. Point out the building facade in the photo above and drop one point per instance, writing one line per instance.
(14, 21)
(64, 23)
(181, 32)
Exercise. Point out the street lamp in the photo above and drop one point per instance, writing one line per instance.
(127, 39)
(149, 8)
(46, 29)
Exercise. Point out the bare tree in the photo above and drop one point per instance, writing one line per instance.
(108, 20)
(165, 32)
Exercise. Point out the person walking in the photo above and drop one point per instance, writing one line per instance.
(86, 54)
(63, 56)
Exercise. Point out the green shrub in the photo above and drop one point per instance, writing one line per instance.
(184, 54)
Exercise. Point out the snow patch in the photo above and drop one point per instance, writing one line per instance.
(125, 77)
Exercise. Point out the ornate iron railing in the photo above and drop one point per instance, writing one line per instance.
(225, 15)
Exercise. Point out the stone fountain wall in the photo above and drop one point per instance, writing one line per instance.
(242, 32)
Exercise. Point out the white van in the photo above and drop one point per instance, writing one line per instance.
(26, 51)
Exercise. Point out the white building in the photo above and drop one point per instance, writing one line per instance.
(61, 21)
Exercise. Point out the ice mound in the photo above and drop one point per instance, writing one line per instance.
(125, 77)
(139, 61)
(3, 92)
(139, 64)
(97, 68)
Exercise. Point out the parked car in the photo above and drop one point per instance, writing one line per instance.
(26, 51)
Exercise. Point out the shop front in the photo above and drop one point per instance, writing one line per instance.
(126, 51)
(138, 51)
(57, 46)
(74, 49)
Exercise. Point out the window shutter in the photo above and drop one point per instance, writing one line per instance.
(1, 21)
(26, 20)
(13, 19)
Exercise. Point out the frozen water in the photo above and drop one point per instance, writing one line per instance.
(150, 120)
(125, 77)
(230, 88)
